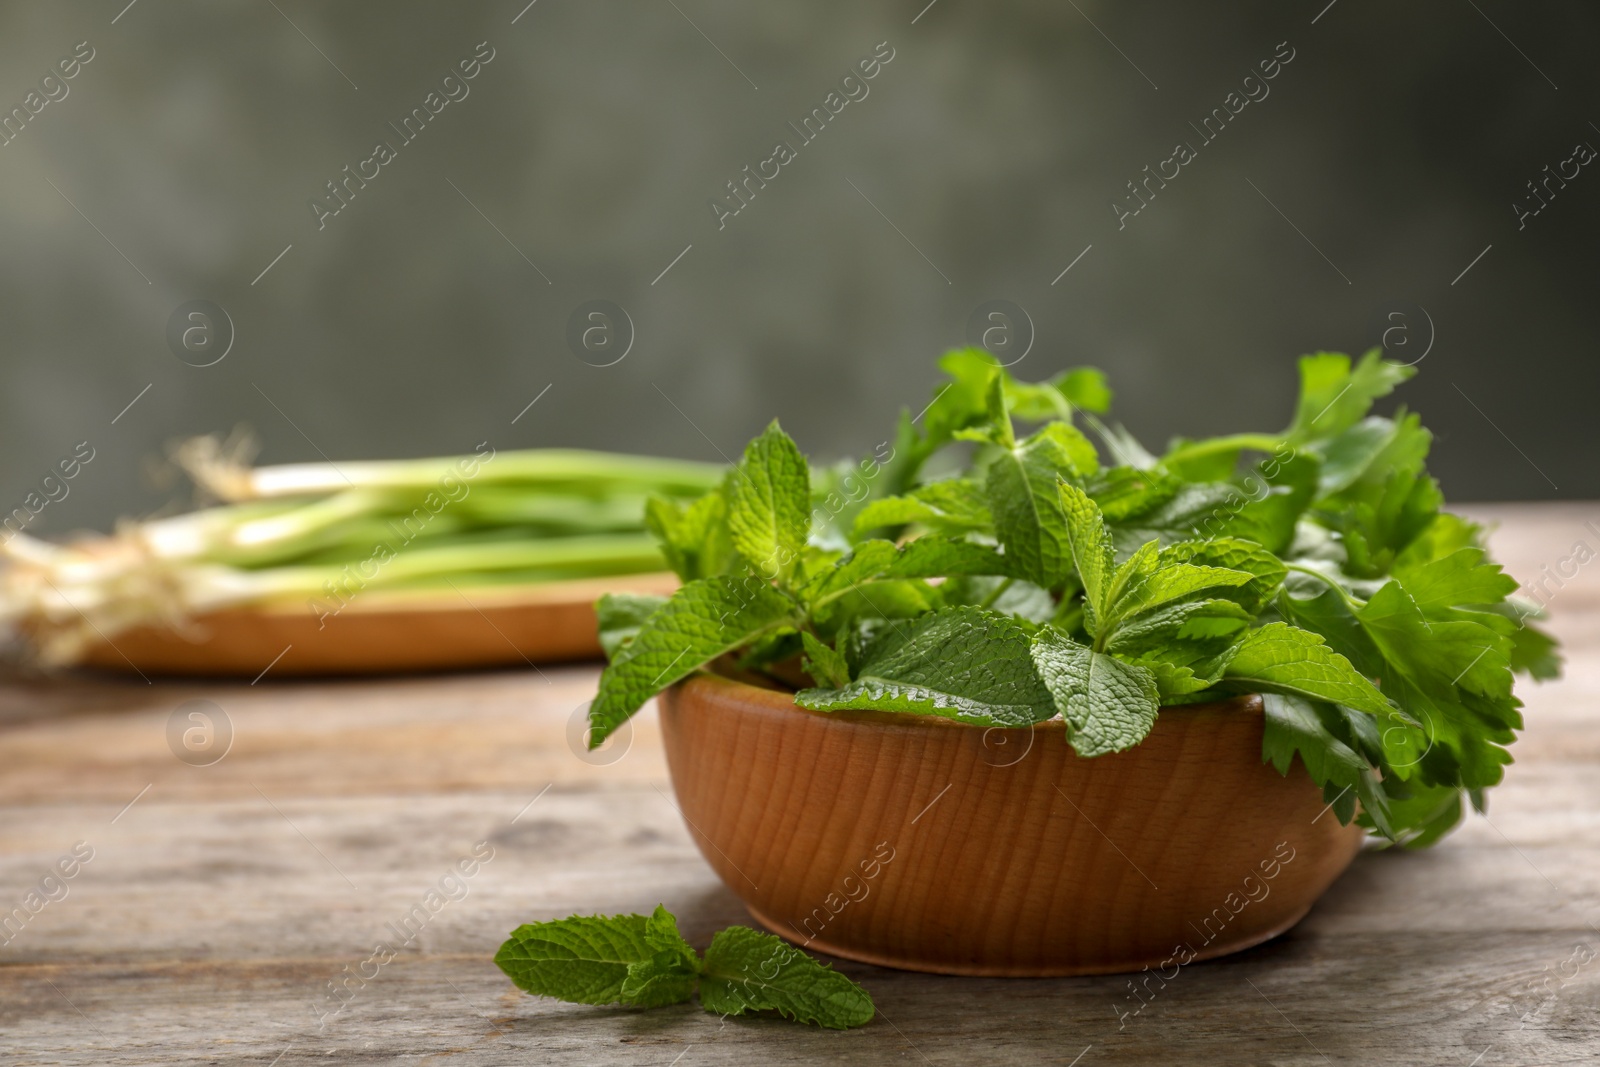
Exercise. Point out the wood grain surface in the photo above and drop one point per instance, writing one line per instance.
(221, 900)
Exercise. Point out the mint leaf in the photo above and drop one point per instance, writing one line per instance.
(1108, 705)
(1197, 509)
(1088, 545)
(926, 557)
(584, 959)
(1191, 620)
(620, 615)
(1029, 520)
(1238, 555)
(701, 621)
(748, 971)
(1124, 493)
(1085, 388)
(693, 539)
(1286, 659)
(1170, 580)
(823, 663)
(769, 507)
(963, 663)
(669, 975)
(952, 506)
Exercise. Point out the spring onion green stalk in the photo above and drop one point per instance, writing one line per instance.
(324, 534)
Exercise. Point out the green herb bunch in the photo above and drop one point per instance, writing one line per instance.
(1004, 580)
(642, 961)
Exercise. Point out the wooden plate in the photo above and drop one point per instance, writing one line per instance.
(382, 632)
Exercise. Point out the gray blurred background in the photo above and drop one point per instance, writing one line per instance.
(427, 315)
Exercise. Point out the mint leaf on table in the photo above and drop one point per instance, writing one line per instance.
(620, 615)
(701, 621)
(669, 975)
(1029, 520)
(749, 971)
(584, 959)
(769, 505)
(644, 962)
(1108, 705)
(962, 663)
(1286, 659)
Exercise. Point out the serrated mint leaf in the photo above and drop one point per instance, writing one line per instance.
(620, 615)
(1088, 546)
(1169, 580)
(1238, 555)
(1029, 520)
(953, 506)
(1197, 509)
(823, 663)
(701, 621)
(1286, 659)
(1205, 620)
(1124, 493)
(694, 539)
(769, 506)
(583, 959)
(1108, 705)
(926, 557)
(670, 974)
(963, 663)
(748, 971)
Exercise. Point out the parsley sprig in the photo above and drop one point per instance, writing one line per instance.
(1042, 576)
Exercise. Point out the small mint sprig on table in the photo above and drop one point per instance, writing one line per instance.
(642, 961)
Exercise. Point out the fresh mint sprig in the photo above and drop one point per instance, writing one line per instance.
(642, 961)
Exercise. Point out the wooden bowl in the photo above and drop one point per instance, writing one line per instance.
(382, 631)
(931, 845)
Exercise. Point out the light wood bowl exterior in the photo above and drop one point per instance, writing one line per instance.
(930, 845)
(382, 632)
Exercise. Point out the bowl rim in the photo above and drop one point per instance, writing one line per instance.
(775, 700)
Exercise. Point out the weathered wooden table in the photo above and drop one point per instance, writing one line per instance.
(221, 901)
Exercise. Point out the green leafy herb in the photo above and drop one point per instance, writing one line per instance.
(644, 962)
(1035, 579)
